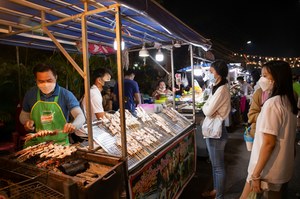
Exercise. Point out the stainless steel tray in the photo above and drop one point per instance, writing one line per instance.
(108, 141)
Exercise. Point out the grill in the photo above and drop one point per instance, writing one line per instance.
(25, 180)
(28, 189)
(108, 141)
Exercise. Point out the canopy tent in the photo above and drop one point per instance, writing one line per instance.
(142, 21)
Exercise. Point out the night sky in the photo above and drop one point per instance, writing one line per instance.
(272, 26)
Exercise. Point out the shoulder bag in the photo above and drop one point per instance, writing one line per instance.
(212, 127)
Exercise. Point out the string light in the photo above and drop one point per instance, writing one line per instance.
(259, 60)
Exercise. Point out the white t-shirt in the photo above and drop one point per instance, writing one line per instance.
(96, 102)
(277, 119)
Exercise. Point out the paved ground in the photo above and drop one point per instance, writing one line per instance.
(236, 158)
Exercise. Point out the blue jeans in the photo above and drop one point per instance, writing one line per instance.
(215, 149)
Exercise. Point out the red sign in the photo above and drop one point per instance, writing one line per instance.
(96, 48)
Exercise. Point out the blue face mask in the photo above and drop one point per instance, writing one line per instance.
(211, 78)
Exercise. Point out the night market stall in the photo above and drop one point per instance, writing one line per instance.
(160, 166)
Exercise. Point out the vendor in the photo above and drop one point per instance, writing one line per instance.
(132, 94)
(161, 90)
(48, 106)
(99, 77)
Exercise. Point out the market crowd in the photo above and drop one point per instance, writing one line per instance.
(271, 107)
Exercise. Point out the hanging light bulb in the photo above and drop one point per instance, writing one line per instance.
(143, 52)
(159, 55)
(116, 45)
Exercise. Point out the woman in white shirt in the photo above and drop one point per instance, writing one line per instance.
(218, 103)
(272, 158)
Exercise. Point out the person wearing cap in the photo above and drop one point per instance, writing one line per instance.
(100, 76)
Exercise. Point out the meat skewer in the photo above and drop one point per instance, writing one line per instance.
(41, 133)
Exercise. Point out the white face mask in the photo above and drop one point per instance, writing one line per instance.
(46, 88)
(265, 84)
(212, 78)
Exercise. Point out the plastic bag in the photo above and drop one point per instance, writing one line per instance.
(248, 139)
(184, 80)
(247, 136)
(212, 127)
(252, 195)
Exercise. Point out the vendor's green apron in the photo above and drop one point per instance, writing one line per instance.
(48, 116)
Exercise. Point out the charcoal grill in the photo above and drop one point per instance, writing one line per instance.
(20, 182)
(25, 180)
(28, 189)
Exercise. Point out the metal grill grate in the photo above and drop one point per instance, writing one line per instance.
(107, 140)
(28, 190)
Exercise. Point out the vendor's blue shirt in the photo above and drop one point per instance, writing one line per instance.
(66, 99)
(130, 88)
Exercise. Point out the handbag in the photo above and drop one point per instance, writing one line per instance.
(212, 127)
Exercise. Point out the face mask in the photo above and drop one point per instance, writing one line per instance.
(46, 88)
(265, 84)
(107, 84)
(211, 78)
